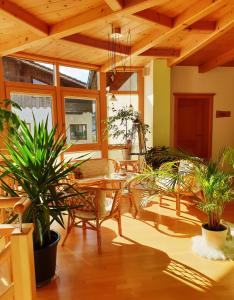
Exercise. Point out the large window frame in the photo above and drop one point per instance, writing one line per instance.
(84, 95)
(58, 93)
(139, 92)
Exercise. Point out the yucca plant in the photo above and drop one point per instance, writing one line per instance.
(35, 163)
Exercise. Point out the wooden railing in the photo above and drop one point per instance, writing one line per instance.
(16, 256)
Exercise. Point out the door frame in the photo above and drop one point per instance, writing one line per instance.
(209, 97)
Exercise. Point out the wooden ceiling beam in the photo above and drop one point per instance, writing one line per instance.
(223, 25)
(217, 61)
(98, 16)
(161, 52)
(96, 43)
(81, 22)
(152, 16)
(19, 15)
(115, 4)
(123, 49)
(195, 13)
(204, 25)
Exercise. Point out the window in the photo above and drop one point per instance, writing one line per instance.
(79, 78)
(38, 105)
(122, 81)
(122, 101)
(22, 70)
(78, 132)
(37, 81)
(80, 120)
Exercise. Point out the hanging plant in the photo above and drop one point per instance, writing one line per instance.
(120, 124)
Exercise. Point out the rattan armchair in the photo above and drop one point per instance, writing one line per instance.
(98, 203)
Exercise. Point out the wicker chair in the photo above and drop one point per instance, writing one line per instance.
(96, 168)
(184, 188)
(98, 204)
(139, 194)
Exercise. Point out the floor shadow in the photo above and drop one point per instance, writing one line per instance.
(126, 270)
(182, 227)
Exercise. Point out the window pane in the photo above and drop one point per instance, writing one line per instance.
(80, 120)
(38, 105)
(122, 81)
(80, 78)
(122, 101)
(22, 70)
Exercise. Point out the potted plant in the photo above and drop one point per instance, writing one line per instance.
(217, 189)
(119, 126)
(211, 179)
(158, 155)
(34, 162)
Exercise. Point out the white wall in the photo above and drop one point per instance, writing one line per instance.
(219, 81)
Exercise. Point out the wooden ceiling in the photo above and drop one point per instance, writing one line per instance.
(195, 32)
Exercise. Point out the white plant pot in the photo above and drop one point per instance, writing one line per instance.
(214, 239)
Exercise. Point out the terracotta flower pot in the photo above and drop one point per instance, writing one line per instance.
(214, 239)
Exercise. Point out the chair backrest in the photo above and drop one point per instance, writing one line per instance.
(94, 168)
(97, 200)
(187, 182)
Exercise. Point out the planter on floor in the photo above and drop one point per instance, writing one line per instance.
(45, 260)
(214, 239)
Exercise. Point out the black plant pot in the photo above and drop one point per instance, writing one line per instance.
(45, 260)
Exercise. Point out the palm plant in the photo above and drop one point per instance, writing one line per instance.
(217, 189)
(35, 163)
(215, 183)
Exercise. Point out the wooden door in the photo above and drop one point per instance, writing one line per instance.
(193, 123)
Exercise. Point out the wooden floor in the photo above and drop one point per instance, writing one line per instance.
(153, 260)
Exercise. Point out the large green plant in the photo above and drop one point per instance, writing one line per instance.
(217, 189)
(215, 183)
(158, 155)
(35, 162)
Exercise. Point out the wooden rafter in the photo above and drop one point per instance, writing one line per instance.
(123, 49)
(161, 52)
(96, 43)
(207, 25)
(223, 25)
(80, 22)
(153, 17)
(195, 13)
(217, 61)
(115, 4)
(98, 16)
(18, 14)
